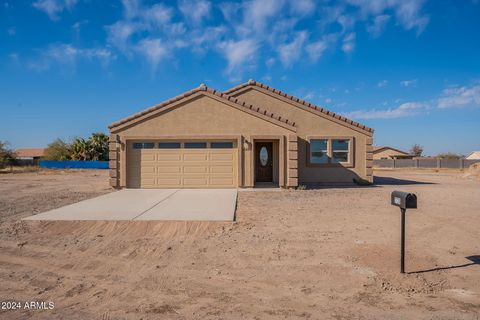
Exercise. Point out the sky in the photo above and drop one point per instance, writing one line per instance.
(410, 69)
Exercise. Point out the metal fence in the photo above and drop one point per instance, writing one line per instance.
(73, 164)
(424, 163)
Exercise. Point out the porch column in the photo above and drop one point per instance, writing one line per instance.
(113, 157)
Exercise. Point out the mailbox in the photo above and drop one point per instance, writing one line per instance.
(404, 200)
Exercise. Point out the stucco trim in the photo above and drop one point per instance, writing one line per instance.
(281, 156)
(203, 91)
(351, 152)
(307, 106)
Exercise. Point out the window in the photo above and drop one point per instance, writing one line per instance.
(340, 148)
(195, 145)
(169, 145)
(319, 151)
(221, 145)
(143, 145)
(333, 151)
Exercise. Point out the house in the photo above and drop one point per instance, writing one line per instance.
(247, 136)
(475, 155)
(29, 155)
(390, 153)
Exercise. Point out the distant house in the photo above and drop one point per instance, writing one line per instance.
(475, 155)
(390, 153)
(29, 155)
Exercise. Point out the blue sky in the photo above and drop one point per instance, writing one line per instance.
(408, 68)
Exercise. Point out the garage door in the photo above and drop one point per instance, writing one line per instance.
(182, 164)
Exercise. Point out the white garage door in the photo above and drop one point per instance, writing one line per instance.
(182, 164)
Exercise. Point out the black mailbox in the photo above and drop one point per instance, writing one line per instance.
(404, 200)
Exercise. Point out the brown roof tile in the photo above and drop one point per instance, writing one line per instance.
(300, 101)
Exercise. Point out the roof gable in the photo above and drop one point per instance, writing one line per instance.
(204, 90)
(380, 149)
(302, 104)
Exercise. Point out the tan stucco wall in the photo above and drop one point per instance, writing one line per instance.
(310, 124)
(386, 154)
(202, 116)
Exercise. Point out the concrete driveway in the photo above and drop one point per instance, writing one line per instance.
(151, 204)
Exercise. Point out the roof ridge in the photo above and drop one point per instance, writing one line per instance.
(203, 87)
(301, 101)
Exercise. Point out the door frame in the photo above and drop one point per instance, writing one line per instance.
(281, 156)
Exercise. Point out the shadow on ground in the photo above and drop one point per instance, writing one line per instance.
(474, 260)
(389, 181)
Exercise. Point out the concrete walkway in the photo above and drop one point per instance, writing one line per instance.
(151, 204)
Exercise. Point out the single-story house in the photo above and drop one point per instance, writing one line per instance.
(390, 153)
(29, 155)
(475, 155)
(247, 136)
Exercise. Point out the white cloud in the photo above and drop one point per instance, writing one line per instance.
(195, 11)
(154, 50)
(302, 7)
(309, 96)
(349, 43)
(290, 52)
(407, 12)
(408, 83)
(404, 110)
(68, 55)
(54, 7)
(456, 97)
(378, 25)
(239, 54)
(257, 14)
(316, 49)
(382, 83)
(119, 33)
(460, 97)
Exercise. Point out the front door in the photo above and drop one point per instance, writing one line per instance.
(263, 162)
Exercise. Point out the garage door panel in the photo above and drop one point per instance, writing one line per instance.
(195, 169)
(169, 169)
(221, 181)
(195, 157)
(221, 169)
(221, 157)
(169, 182)
(169, 157)
(148, 157)
(182, 168)
(195, 182)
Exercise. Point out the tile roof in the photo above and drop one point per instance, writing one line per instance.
(202, 87)
(300, 101)
(30, 152)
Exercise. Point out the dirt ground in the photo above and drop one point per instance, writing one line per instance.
(329, 253)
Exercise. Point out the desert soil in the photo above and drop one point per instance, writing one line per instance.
(329, 253)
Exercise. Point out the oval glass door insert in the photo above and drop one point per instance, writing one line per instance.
(263, 156)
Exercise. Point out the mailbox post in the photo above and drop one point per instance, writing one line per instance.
(403, 200)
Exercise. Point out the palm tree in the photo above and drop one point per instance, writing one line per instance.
(98, 144)
(80, 149)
